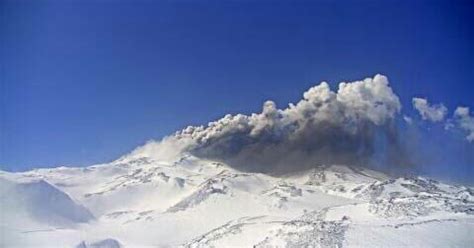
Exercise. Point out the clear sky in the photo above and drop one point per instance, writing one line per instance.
(84, 82)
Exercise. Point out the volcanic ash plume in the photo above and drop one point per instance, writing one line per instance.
(324, 127)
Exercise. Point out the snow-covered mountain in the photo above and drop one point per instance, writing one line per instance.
(181, 200)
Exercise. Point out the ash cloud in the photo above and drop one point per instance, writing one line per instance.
(324, 127)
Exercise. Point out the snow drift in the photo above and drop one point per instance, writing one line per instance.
(41, 202)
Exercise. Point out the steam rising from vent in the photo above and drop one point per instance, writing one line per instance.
(324, 127)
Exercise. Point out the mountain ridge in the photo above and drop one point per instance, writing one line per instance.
(186, 201)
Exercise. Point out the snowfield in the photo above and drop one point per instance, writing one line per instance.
(184, 201)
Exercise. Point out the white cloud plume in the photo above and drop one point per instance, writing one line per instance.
(434, 113)
(465, 121)
(367, 101)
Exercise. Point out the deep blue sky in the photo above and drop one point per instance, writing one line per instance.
(85, 82)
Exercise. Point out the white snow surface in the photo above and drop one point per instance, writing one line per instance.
(184, 201)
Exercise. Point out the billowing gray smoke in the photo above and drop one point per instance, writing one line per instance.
(325, 127)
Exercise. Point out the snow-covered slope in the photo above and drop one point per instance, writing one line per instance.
(40, 202)
(145, 201)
